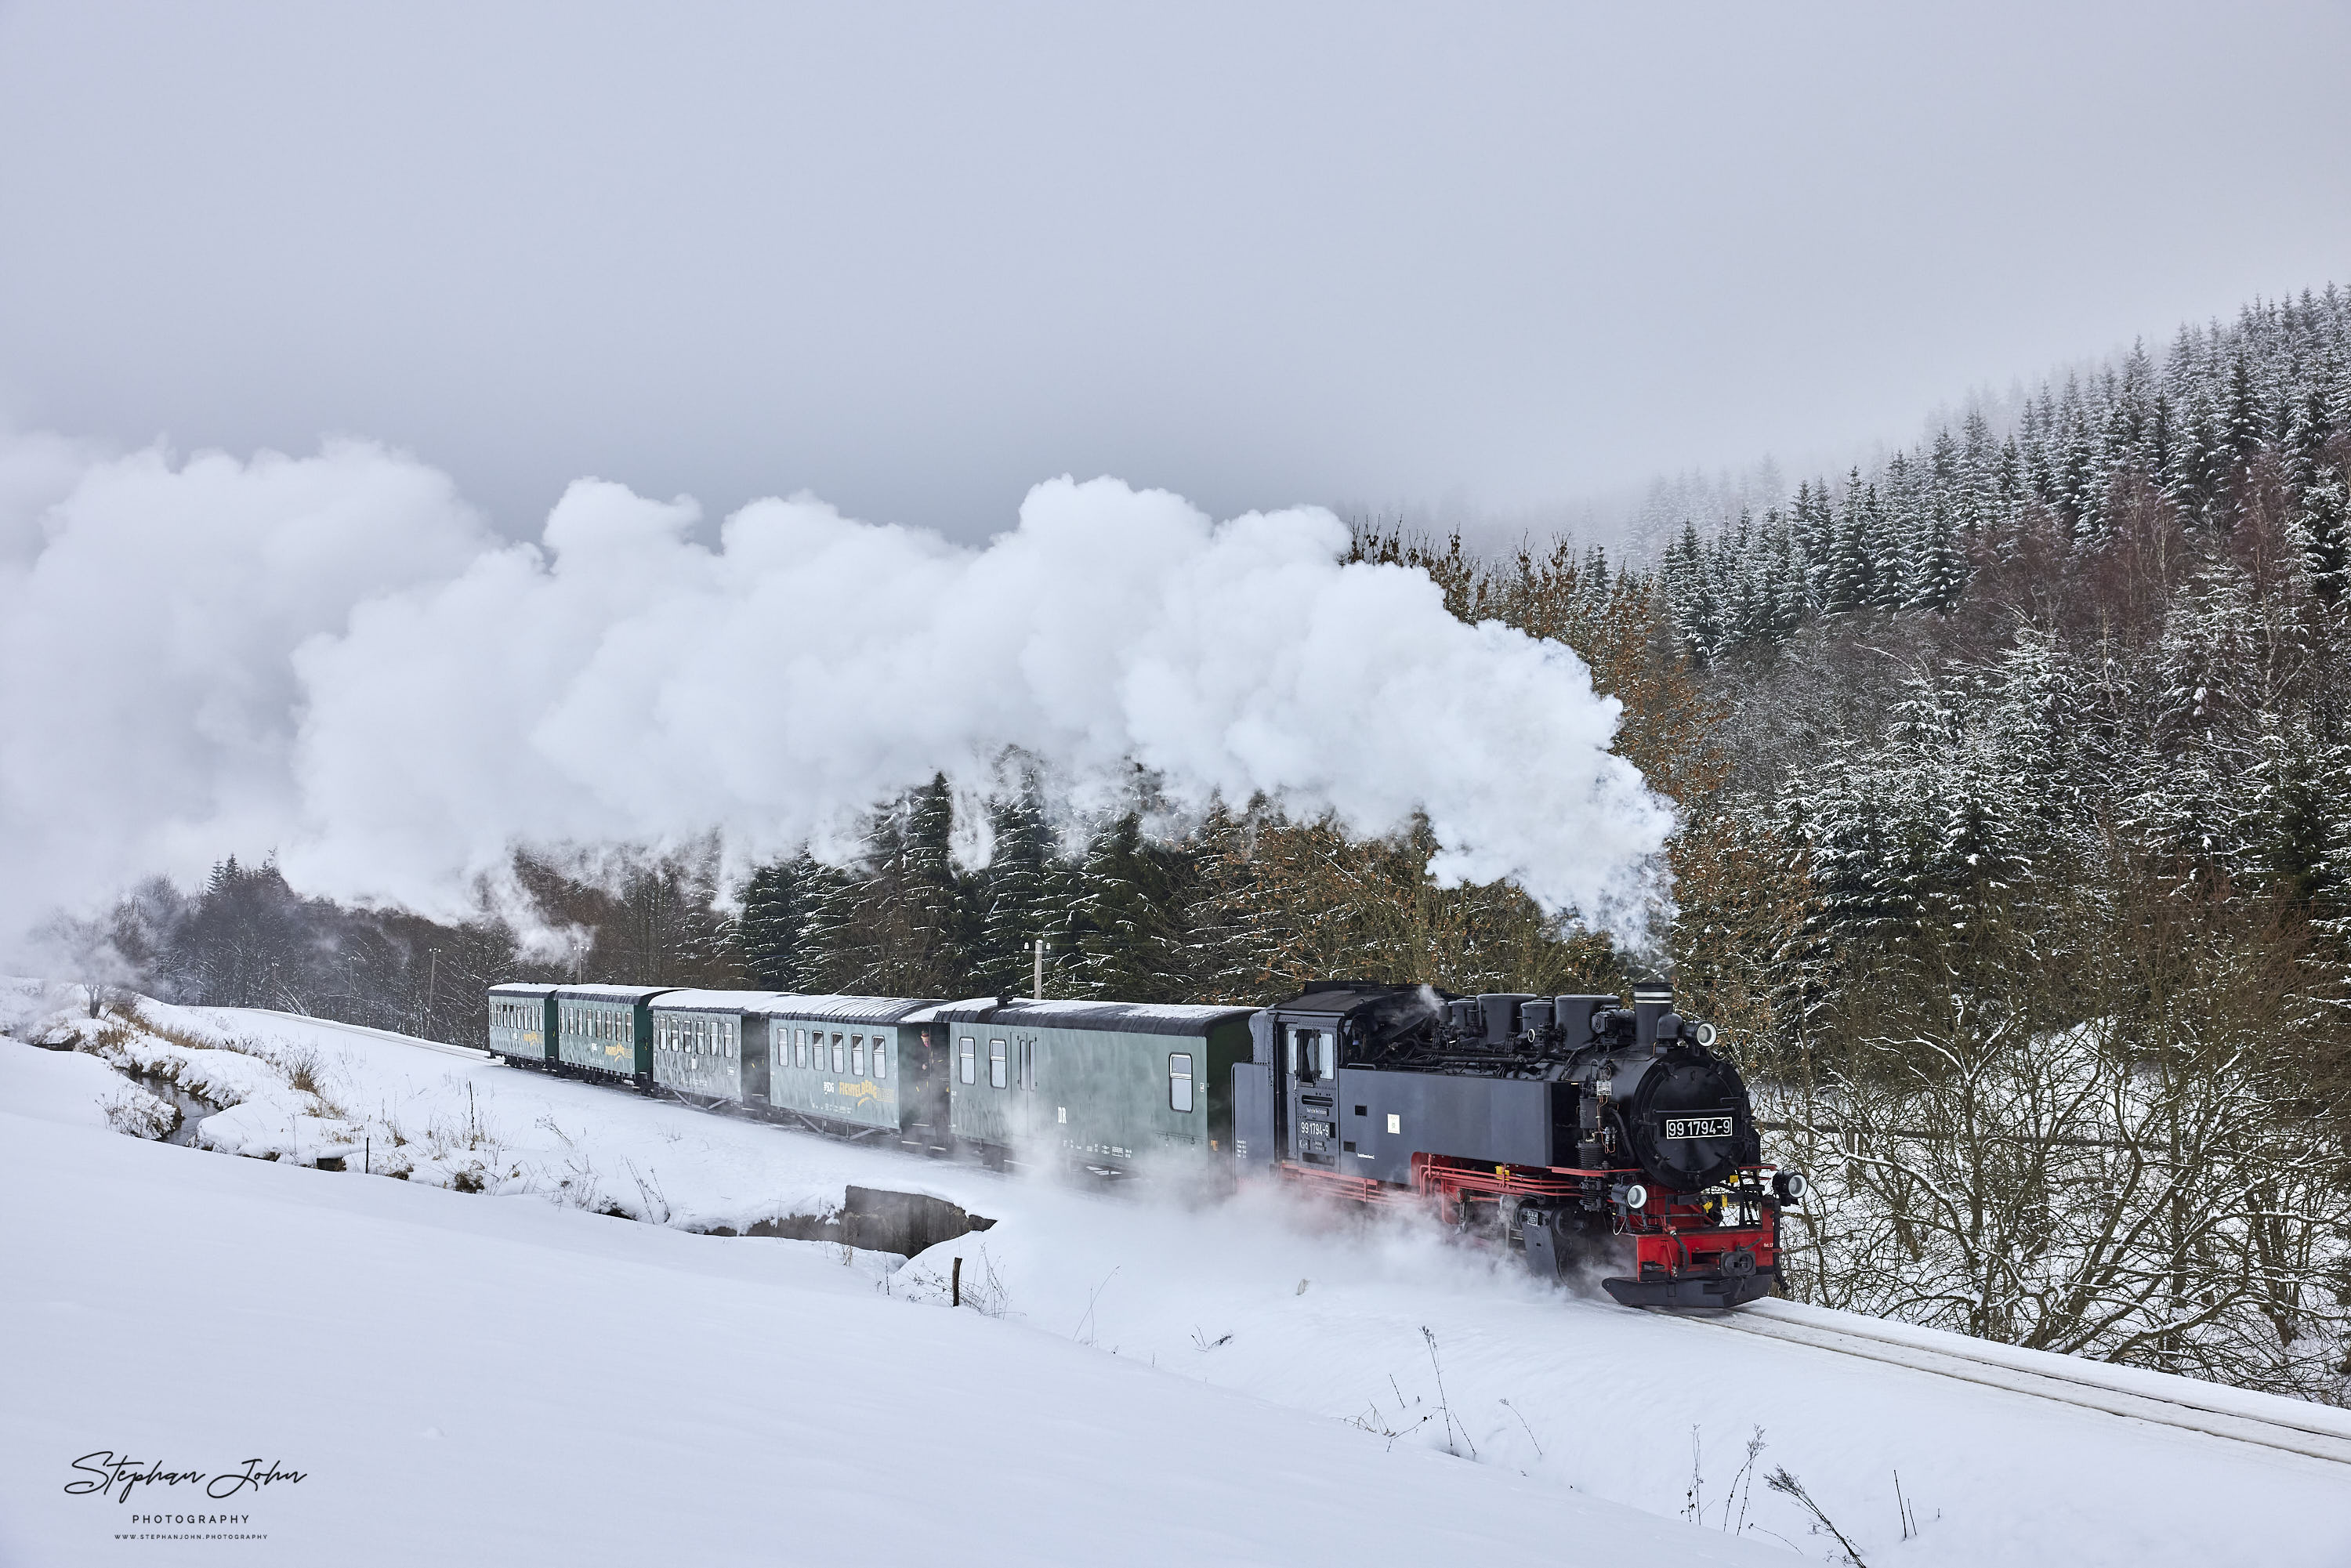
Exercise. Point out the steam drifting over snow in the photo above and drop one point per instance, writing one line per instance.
(334, 657)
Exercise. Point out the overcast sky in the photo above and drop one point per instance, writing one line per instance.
(916, 259)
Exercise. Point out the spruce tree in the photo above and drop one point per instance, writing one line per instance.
(1939, 573)
(1017, 888)
(1134, 916)
(2322, 530)
(769, 935)
(2304, 444)
(889, 925)
(1857, 557)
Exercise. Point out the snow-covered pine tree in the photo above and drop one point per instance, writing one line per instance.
(1939, 572)
(2311, 427)
(2322, 527)
(1133, 918)
(2243, 424)
(769, 934)
(1018, 887)
(1814, 522)
(2075, 480)
(1857, 558)
(1691, 569)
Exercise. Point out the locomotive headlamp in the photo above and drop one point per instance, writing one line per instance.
(1706, 1034)
(1791, 1185)
(1633, 1197)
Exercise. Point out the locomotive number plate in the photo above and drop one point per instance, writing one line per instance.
(1314, 1129)
(1698, 1127)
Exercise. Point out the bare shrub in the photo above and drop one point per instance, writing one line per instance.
(2150, 1182)
(131, 1110)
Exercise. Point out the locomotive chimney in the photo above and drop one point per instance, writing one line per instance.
(1649, 1005)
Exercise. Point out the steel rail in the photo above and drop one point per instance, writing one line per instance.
(2271, 1421)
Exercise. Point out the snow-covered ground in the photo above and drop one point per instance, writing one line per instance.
(501, 1377)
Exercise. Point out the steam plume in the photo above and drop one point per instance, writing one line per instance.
(334, 657)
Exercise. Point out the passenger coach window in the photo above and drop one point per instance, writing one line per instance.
(881, 1059)
(1179, 1082)
(996, 1064)
(839, 1056)
(857, 1054)
(965, 1065)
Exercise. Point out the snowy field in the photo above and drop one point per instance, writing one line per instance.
(513, 1376)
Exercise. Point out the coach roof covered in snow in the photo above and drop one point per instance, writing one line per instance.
(612, 993)
(714, 1001)
(850, 1010)
(1119, 1017)
(523, 988)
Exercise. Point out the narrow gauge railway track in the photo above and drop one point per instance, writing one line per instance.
(467, 1051)
(2271, 1421)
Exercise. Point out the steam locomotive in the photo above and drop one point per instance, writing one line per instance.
(1579, 1131)
(1582, 1133)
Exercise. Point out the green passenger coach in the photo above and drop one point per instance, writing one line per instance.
(712, 1045)
(857, 1064)
(1103, 1085)
(522, 1021)
(606, 1031)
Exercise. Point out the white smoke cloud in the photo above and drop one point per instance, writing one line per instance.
(333, 657)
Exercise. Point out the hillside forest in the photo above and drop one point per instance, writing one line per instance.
(2014, 862)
